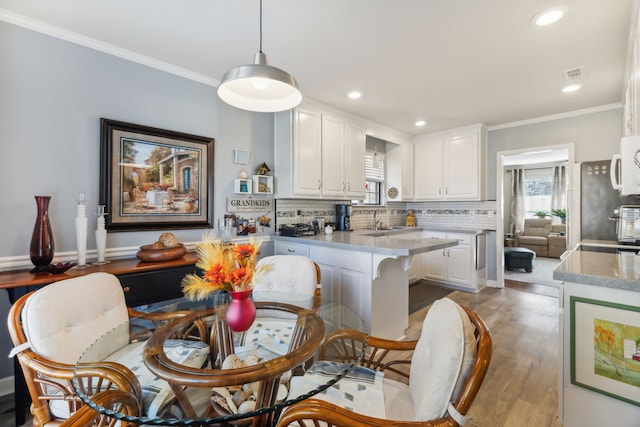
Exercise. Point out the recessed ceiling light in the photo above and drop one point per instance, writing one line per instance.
(572, 88)
(549, 16)
(420, 123)
(354, 95)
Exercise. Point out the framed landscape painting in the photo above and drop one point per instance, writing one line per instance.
(605, 348)
(152, 178)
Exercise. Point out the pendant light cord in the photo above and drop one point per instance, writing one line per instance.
(260, 26)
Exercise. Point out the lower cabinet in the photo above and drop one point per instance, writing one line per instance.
(455, 265)
(346, 278)
(288, 248)
(373, 286)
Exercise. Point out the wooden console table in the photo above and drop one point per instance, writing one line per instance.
(142, 283)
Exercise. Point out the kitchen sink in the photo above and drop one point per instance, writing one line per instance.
(382, 231)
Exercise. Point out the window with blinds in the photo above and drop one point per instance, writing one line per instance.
(374, 178)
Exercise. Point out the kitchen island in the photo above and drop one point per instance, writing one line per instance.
(598, 287)
(366, 271)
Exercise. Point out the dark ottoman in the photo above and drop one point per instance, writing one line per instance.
(519, 258)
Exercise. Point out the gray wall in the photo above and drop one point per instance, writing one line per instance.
(52, 96)
(595, 136)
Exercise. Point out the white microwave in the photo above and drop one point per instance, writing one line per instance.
(625, 167)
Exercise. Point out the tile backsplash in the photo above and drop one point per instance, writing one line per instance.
(477, 214)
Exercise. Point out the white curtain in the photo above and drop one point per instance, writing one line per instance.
(517, 200)
(559, 195)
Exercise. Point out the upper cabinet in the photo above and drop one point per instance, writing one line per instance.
(399, 171)
(632, 89)
(297, 152)
(318, 154)
(450, 165)
(354, 153)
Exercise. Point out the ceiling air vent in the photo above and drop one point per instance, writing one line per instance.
(573, 74)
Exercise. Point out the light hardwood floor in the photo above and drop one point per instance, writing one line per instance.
(522, 385)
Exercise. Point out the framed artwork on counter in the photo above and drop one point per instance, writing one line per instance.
(153, 178)
(605, 348)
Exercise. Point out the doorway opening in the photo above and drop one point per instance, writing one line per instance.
(539, 161)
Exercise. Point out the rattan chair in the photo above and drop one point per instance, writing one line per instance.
(390, 357)
(118, 401)
(53, 326)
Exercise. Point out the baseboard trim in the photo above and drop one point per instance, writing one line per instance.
(6, 385)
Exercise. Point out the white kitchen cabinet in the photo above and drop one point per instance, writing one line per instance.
(318, 154)
(333, 156)
(354, 167)
(288, 248)
(455, 265)
(428, 169)
(631, 113)
(433, 263)
(297, 152)
(449, 165)
(370, 284)
(399, 171)
(345, 277)
(343, 149)
(460, 264)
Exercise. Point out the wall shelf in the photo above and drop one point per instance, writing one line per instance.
(262, 184)
(242, 186)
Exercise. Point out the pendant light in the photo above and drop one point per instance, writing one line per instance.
(258, 86)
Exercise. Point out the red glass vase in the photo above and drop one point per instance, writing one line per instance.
(41, 248)
(241, 311)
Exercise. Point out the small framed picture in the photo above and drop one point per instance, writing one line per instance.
(241, 157)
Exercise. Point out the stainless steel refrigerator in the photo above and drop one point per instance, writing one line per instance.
(598, 201)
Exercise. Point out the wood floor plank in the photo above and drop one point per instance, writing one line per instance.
(521, 386)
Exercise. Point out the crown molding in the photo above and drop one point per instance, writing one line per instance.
(542, 119)
(81, 40)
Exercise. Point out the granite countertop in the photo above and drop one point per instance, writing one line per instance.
(383, 242)
(609, 270)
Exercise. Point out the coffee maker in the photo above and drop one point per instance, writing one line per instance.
(343, 213)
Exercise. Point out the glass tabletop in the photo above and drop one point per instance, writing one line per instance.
(187, 367)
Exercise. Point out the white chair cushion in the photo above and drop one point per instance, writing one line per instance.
(440, 365)
(287, 273)
(470, 349)
(62, 319)
(360, 391)
(437, 360)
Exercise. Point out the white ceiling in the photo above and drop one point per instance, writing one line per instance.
(449, 62)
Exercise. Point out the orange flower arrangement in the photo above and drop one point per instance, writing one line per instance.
(226, 267)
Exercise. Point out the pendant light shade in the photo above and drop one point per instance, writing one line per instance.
(258, 86)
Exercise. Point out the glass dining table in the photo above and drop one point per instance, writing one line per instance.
(194, 370)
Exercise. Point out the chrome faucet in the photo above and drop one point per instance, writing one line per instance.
(375, 222)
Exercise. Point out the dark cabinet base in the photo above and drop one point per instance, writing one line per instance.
(154, 286)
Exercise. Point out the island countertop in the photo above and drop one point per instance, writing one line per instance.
(607, 270)
(362, 240)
